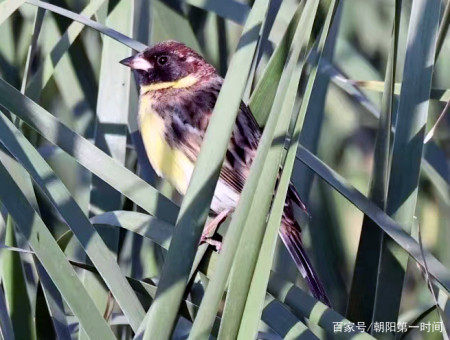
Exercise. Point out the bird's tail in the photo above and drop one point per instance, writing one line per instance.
(291, 237)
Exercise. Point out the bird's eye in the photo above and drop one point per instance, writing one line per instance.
(162, 60)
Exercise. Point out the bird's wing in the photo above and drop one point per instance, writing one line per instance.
(241, 152)
(241, 149)
(189, 134)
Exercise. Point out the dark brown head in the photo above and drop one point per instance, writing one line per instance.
(167, 63)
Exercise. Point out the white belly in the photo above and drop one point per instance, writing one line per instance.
(225, 198)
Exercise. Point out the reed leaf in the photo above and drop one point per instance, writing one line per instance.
(14, 283)
(52, 295)
(392, 228)
(87, 154)
(269, 153)
(443, 29)
(8, 7)
(265, 91)
(284, 323)
(251, 315)
(305, 306)
(135, 45)
(367, 259)
(5, 321)
(229, 9)
(59, 196)
(216, 287)
(195, 206)
(43, 74)
(110, 136)
(407, 152)
(52, 258)
(442, 95)
(170, 23)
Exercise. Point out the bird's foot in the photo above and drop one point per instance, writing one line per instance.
(212, 242)
(210, 229)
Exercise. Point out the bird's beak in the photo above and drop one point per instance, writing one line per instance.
(137, 62)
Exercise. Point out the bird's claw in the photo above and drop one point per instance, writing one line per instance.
(210, 241)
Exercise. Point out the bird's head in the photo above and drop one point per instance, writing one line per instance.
(169, 64)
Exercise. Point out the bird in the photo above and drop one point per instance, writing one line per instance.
(178, 89)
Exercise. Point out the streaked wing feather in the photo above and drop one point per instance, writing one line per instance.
(241, 150)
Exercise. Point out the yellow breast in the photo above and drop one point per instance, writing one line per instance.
(169, 163)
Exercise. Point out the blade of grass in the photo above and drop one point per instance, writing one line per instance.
(18, 296)
(322, 228)
(437, 170)
(195, 207)
(430, 164)
(305, 306)
(78, 94)
(430, 286)
(367, 259)
(429, 313)
(44, 73)
(52, 296)
(266, 48)
(392, 228)
(442, 95)
(284, 323)
(302, 305)
(138, 222)
(147, 226)
(407, 153)
(8, 60)
(19, 175)
(22, 38)
(14, 283)
(63, 202)
(111, 133)
(229, 9)
(44, 326)
(160, 232)
(87, 154)
(430, 133)
(78, 56)
(147, 291)
(253, 306)
(6, 328)
(269, 153)
(214, 292)
(8, 7)
(443, 29)
(52, 258)
(54, 302)
(142, 32)
(135, 45)
(265, 91)
(76, 110)
(170, 23)
(32, 50)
